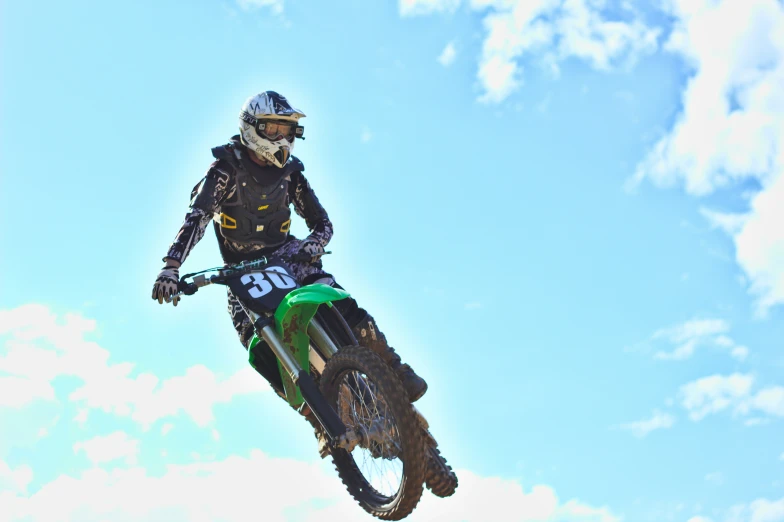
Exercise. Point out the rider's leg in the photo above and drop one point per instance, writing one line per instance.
(368, 334)
(363, 325)
(265, 362)
(366, 331)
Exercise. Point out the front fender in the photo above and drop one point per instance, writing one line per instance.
(291, 321)
(315, 294)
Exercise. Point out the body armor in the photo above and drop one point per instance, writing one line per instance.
(258, 212)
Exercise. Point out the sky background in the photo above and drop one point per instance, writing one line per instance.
(566, 215)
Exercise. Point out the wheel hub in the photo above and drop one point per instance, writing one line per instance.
(380, 440)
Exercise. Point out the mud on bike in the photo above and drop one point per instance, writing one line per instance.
(379, 442)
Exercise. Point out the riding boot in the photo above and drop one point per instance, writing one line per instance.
(368, 335)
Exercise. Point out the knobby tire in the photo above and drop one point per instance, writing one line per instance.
(441, 480)
(412, 455)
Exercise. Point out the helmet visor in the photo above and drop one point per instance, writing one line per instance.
(275, 130)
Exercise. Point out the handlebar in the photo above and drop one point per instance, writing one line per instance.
(200, 279)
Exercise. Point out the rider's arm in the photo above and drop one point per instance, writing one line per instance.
(206, 198)
(307, 206)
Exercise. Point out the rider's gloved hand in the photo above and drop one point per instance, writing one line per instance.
(166, 285)
(312, 247)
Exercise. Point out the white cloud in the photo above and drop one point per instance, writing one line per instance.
(760, 510)
(422, 7)
(14, 480)
(196, 393)
(575, 511)
(736, 351)
(207, 489)
(732, 123)
(81, 417)
(499, 78)
(42, 346)
(716, 478)
(44, 430)
(700, 519)
(473, 305)
(275, 5)
(683, 351)
(366, 135)
(447, 56)
(686, 337)
(760, 243)
(728, 126)
(166, 428)
(586, 33)
(643, 427)
(781, 457)
(764, 510)
(228, 490)
(729, 223)
(106, 448)
(717, 393)
(770, 400)
(17, 392)
(553, 31)
(731, 127)
(68, 352)
(740, 353)
(693, 329)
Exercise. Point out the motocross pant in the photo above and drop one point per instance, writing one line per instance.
(304, 273)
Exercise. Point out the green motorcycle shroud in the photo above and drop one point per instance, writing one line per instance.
(291, 322)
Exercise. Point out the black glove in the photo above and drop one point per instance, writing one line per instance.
(313, 248)
(166, 285)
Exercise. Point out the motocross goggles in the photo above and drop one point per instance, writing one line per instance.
(274, 129)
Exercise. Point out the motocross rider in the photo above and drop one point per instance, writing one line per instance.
(247, 192)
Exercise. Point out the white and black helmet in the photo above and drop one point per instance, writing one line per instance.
(268, 127)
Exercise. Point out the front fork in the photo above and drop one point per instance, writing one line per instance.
(336, 430)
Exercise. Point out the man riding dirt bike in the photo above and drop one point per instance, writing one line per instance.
(247, 192)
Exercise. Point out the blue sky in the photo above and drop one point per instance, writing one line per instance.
(564, 214)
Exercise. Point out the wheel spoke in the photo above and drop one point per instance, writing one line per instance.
(385, 469)
(367, 411)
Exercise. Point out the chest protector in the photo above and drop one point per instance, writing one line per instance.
(258, 212)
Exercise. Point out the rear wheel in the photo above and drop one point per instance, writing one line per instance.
(385, 472)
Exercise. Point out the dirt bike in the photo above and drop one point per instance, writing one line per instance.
(379, 442)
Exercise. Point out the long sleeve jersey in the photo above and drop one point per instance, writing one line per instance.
(219, 186)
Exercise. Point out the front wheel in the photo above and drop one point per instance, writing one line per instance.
(385, 472)
(440, 480)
